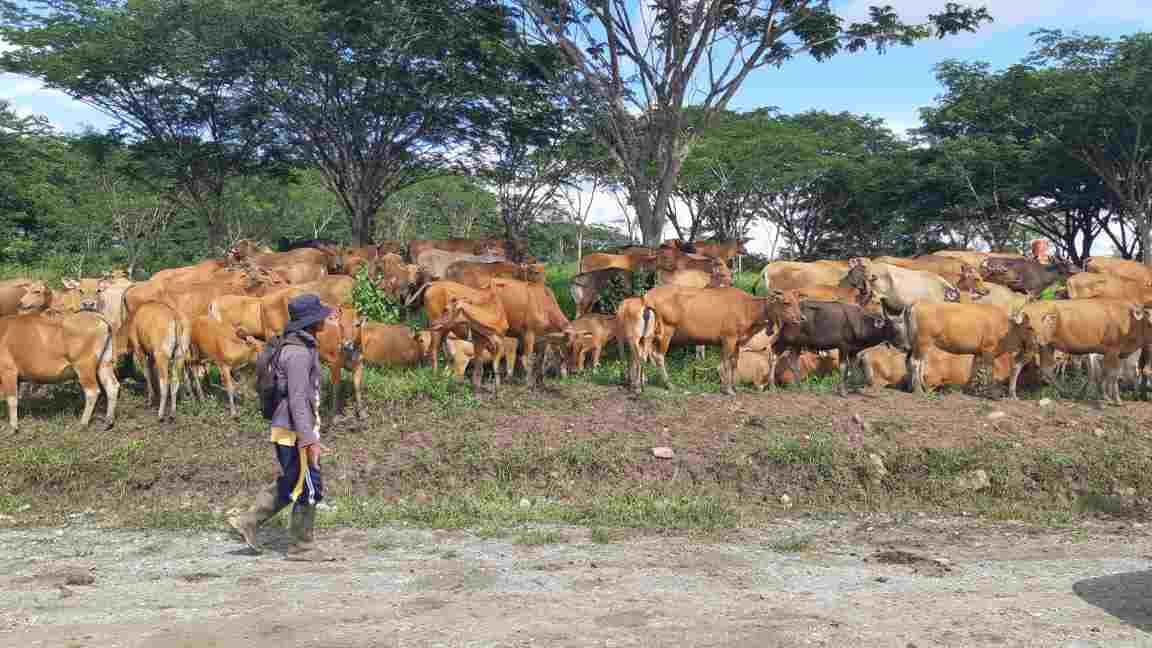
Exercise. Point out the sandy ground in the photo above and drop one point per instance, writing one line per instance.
(871, 580)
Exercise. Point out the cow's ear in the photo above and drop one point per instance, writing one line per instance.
(1047, 318)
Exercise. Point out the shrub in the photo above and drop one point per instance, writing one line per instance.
(373, 302)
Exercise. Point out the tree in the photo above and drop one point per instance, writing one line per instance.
(172, 74)
(376, 94)
(1090, 97)
(646, 62)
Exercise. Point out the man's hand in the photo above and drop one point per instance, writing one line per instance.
(314, 451)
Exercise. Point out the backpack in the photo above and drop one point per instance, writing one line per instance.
(268, 388)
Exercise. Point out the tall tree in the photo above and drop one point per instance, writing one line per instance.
(1089, 96)
(647, 61)
(172, 74)
(377, 93)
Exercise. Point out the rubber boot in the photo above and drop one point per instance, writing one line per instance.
(303, 542)
(263, 508)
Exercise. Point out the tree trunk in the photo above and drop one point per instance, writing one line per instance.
(579, 245)
(1145, 235)
(650, 222)
(363, 223)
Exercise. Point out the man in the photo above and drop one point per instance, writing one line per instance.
(295, 434)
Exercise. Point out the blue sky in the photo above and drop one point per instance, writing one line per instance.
(892, 86)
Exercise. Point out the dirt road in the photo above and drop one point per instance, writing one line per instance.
(844, 581)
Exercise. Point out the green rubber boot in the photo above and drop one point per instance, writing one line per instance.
(263, 508)
(303, 547)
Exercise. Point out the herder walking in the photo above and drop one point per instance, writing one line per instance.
(288, 379)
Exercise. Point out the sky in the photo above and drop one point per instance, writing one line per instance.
(892, 86)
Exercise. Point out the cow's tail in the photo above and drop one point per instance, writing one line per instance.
(108, 347)
(910, 332)
(417, 294)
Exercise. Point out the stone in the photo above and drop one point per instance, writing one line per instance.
(996, 416)
(877, 471)
(663, 452)
(786, 501)
(1045, 402)
(973, 480)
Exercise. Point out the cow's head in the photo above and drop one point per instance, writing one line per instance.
(85, 294)
(857, 262)
(857, 277)
(423, 340)
(783, 306)
(531, 272)
(37, 297)
(892, 329)
(1032, 334)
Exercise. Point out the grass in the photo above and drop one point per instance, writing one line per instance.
(791, 544)
(430, 455)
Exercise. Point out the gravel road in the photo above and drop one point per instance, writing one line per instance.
(836, 581)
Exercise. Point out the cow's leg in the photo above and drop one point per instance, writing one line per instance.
(529, 344)
(730, 356)
(90, 383)
(437, 338)
(1110, 386)
(701, 352)
(1142, 389)
(660, 352)
(140, 360)
(106, 374)
(1017, 366)
(337, 377)
(477, 373)
(10, 385)
(846, 360)
(163, 367)
(596, 350)
(230, 387)
(915, 367)
(358, 388)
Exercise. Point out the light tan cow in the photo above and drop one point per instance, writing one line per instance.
(226, 347)
(966, 329)
(1092, 285)
(463, 353)
(588, 335)
(792, 275)
(637, 330)
(159, 340)
(1128, 269)
(47, 349)
(897, 287)
(1114, 328)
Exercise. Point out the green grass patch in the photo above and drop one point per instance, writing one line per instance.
(790, 544)
(600, 535)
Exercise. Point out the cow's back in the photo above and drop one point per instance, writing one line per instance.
(791, 275)
(1092, 325)
(958, 327)
(904, 287)
(389, 344)
(1126, 268)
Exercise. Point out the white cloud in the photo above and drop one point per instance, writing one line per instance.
(1010, 14)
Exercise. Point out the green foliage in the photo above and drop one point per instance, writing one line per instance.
(620, 288)
(373, 302)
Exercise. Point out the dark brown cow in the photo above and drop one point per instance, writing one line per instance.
(833, 325)
(1027, 276)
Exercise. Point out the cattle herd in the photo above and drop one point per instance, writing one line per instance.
(952, 317)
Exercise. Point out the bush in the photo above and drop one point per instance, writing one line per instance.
(373, 302)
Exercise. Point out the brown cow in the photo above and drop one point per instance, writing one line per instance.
(589, 334)
(1114, 328)
(480, 274)
(159, 341)
(533, 316)
(722, 251)
(512, 250)
(790, 275)
(885, 365)
(754, 367)
(1027, 276)
(227, 347)
(438, 295)
(1089, 285)
(727, 317)
(486, 323)
(349, 341)
(202, 271)
(1126, 268)
(12, 291)
(261, 317)
(44, 349)
(629, 262)
(637, 329)
(297, 266)
(966, 329)
(37, 297)
(834, 293)
(333, 289)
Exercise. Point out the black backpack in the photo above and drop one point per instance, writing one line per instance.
(267, 387)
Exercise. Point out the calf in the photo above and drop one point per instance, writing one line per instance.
(44, 349)
(463, 352)
(833, 325)
(228, 347)
(727, 317)
(159, 340)
(967, 329)
(589, 334)
(1112, 327)
(437, 297)
(487, 323)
